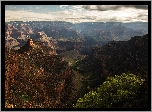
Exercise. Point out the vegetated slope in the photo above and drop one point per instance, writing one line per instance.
(35, 79)
(72, 56)
(115, 58)
(125, 56)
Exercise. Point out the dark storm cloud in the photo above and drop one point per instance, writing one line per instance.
(113, 7)
(145, 7)
(142, 15)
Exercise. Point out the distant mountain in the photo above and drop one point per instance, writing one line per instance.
(140, 26)
(87, 33)
(112, 30)
(68, 30)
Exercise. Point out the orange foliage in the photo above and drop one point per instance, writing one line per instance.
(30, 84)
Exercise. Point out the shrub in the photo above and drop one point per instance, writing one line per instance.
(116, 92)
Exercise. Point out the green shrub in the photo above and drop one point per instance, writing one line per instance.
(116, 92)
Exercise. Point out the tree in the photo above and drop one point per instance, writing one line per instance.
(116, 92)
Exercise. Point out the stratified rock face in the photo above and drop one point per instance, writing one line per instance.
(11, 31)
(37, 46)
(15, 35)
(65, 36)
(30, 42)
(67, 30)
(16, 30)
(11, 42)
(41, 35)
(28, 46)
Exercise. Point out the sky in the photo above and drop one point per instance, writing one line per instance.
(77, 13)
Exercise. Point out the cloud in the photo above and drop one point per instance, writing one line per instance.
(78, 14)
(145, 7)
(77, 7)
(101, 7)
(63, 6)
(38, 7)
(113, 7)
(25, 16)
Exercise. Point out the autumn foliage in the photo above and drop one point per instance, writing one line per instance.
(36, 80)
